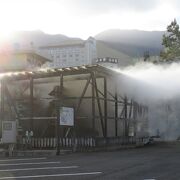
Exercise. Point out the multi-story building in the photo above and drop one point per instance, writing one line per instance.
(84, 52)
(71, 53)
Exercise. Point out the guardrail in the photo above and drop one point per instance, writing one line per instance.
(63, 142)
(81, 142)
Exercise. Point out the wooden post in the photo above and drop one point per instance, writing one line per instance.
(83, 93)
(93, 101)
(31, 103)
(2, 105)
(105, 106)
(59, 104)
(125, 117)
(135, 117)
(116, 112)
(99, 107)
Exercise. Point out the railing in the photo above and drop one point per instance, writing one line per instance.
(111, 141)
(63, 142)
(81, 143)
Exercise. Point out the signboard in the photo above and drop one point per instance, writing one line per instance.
(66, 116)
(9, 132)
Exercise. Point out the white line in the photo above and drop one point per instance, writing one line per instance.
(29, 169)
(25, 159)
(18, 164)
(51, 175)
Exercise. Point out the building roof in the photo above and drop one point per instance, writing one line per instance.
(40, 55)
(11, 61)
(54, 72)
(71, 42)
(73, 74)
(27, 51)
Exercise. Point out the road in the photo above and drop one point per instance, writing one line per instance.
(153, 162)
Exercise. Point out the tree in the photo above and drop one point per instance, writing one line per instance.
(171, 42)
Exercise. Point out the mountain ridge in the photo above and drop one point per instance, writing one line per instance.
(133, 42)
(130, 42)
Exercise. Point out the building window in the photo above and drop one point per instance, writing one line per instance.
(64, 60)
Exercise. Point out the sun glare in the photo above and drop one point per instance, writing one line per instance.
(53, 17)
(5, 35)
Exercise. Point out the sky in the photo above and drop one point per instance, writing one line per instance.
(84, 18)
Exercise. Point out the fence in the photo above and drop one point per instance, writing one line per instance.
(111, 141)
(63, 142)
(81, 143)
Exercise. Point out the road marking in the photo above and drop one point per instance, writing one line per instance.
(18, 164)
(29, 169)
(51, 175)
(25, 159)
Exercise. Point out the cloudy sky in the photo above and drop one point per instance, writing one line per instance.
(83, 18)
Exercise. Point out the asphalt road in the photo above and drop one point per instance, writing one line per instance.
(154, 162)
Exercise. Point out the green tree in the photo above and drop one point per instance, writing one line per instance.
(171, 42)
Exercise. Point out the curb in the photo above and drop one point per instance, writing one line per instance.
(33, 153)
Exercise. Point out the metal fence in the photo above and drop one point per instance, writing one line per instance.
(82, 142)
(63, 142)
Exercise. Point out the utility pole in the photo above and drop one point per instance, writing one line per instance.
(58, 107)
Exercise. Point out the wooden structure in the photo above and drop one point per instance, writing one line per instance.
(110, 113)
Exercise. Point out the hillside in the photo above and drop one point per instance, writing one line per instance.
(133, 42)
(37, 38)
(104, 51)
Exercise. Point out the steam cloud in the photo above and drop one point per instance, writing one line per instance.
(157, 86)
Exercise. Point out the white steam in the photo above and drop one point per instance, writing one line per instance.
(157, 86)
(152, 82)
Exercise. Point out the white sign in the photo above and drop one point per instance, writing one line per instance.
(66, 116)
(9, 132)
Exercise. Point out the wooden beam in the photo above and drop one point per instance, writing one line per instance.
(59, 104)
(99, 107)
(105, 106)
(49, 118)
(89, 97)
(11, 101)
(83, 93)
(112, 100)
(125, 117)
(2, 105)
(116, 113)
(93, 101)
(31, 85)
